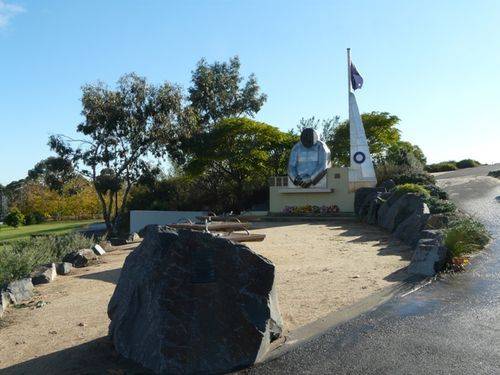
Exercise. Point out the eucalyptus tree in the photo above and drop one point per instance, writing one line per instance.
(123, 129)
(219, 91)
(54, 172)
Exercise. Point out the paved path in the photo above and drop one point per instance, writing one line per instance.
(451, 326)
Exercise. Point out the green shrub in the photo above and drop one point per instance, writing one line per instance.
(468, 163)
(439, 206)
(411, 188)
(14, 218)
(437, 192)
(495, 174)
(444, 166)
(422, 178)
(34, 218)
(465, 236)
(402, 174)
(17, 259)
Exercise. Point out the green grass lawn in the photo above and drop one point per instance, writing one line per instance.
(55, 227)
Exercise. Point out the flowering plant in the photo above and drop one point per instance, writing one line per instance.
(311, 209)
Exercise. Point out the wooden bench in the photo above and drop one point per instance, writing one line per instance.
(212, 226)
(228, 229)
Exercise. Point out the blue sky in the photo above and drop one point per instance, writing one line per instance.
(432, 63)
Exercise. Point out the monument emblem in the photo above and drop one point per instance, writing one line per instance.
(309, 160)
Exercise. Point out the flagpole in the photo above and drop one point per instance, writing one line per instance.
(349, 87)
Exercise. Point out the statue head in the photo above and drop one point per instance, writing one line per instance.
(309, 137)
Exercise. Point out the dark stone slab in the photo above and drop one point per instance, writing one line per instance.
(191, 302)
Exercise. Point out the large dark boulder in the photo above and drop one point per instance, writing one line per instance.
(191, 302)
(409, 230)
(397, 209)
(363, 196)
(386, 206)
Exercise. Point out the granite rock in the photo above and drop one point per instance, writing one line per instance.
(20, 291)
(409, 230)
(81, 258)
(437, 221)
(63, 268)
(98, 249)
(4, 302)
(437, 234)
(397, 209)
(44, 274)
(192, 302)
(429, 257)
(134, 237)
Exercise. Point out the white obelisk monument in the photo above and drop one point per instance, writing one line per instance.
(361, 170)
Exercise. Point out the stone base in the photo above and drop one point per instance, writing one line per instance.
(335, 192)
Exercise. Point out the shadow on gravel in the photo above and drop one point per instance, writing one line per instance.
(110, 276)
(94, 357)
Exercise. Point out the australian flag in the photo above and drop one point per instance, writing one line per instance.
(356, 79)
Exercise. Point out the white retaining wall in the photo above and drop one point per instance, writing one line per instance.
(139, 219)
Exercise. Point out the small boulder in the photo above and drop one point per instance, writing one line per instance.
(134, 237)
(437, 221)
(429, 257)
(98, 249)
(20, 291)
(437, 234)
(117, 241)
(4, 302)
(64, 268)
(81, 258)
(44, 274)
(388, 185)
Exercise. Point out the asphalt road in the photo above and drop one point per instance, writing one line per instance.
(451, 326)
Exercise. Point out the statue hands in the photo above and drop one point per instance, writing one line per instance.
(303, 181)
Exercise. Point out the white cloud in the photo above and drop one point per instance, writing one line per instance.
(7, 11)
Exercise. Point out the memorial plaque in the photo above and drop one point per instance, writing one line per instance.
(203, 266)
